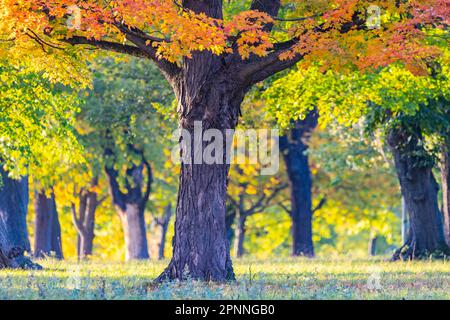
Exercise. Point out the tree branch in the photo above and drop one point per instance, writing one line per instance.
(286, 209)
(320, 205)
(107, 45)
(264, 201)
(260, 68)
(146, 44)
(271, 7)
(257, 69)
(77, 223)
(117, 196)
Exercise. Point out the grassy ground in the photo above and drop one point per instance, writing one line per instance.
(257, 279)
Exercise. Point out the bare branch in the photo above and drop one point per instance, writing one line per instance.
(320, 205)
(117, 196)
(286, 209)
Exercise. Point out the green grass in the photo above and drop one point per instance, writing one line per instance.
(256, 279)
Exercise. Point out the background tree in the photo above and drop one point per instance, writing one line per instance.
(127, 135)
(36, 116)
(250, 194)
(403, 107)
(294, 146)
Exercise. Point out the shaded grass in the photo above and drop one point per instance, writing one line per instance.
(256, 279)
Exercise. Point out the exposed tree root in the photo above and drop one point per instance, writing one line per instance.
(409, 252)
(17, 262)
(171, 274)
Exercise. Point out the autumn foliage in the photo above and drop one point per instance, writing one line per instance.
(312, 29)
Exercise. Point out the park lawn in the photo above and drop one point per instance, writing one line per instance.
(256, 279)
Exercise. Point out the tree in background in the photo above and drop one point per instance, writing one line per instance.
(250, 194)
(294, 147)
(47, 230)
(84, 203)
(403, 107)
(127, 134)
(211, 63)
(37, 120)
(164, 191)
(354, 172)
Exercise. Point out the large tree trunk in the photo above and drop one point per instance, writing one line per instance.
(294, 147)
(445, 178)
(13, 228)
(239, 236)
(209, 99)
(131, 207)
(47, 236)
(420, 191)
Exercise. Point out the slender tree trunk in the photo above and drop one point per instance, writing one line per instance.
(131, 208)
(13, 228)
(420, 191)
(373, 246)
(164, 227)
(239, 236)
(84, 220)
(229, 220)
(294, 147)
(405, 224)
(47, 237)
(445, 178)
(87, 241)
(208, 100)
(162, 243)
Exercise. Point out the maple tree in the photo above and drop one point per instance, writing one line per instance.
(211, 61)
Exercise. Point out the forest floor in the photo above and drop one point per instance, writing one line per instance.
(256, 279)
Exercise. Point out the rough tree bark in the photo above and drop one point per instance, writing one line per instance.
(420, 191)
(13, 228)
(293, 147)
(164, 225)
(84, 219)
(47, 236)
(200, 244)
(210, 90)
(445, 178)
(131, 207)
